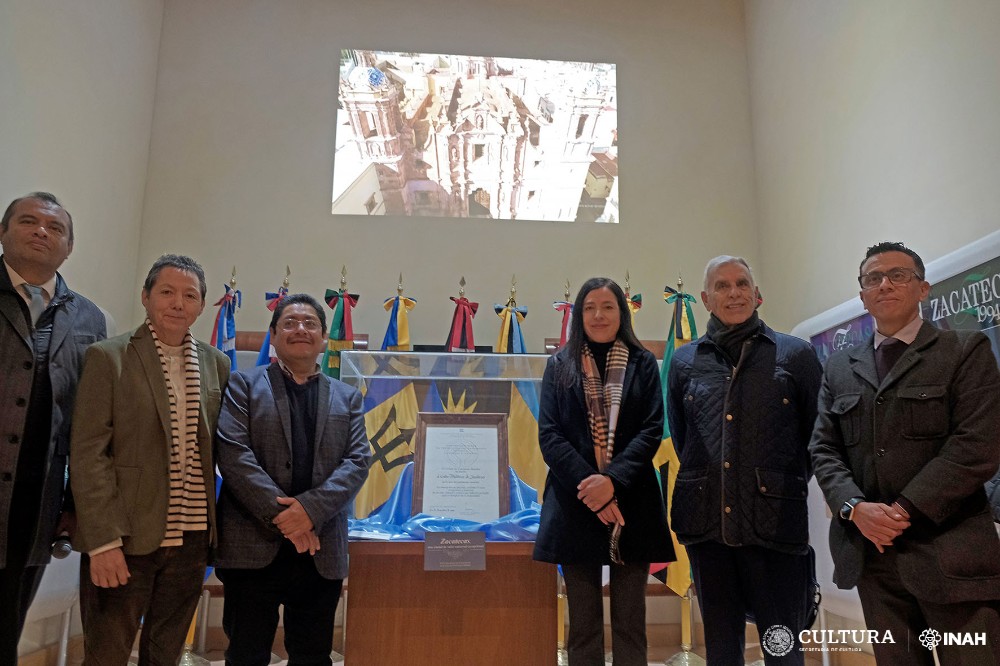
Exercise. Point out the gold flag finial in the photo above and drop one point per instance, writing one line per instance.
(680, 282)
(627, 294)
(343, 278)
(232, 280)
(461, 287)
(399, 285)
(566, 291)
(288, 274)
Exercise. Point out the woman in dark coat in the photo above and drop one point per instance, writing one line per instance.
(599, 425)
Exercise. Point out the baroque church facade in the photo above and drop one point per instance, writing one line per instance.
(466, 136)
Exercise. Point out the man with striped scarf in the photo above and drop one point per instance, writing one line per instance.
(142, 472)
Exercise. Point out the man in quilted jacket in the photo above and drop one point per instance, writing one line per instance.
(741, 405)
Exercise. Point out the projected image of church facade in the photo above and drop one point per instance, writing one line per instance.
(472, 136)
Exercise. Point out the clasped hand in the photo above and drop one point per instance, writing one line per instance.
(879, 523)
(296, 525)
(597, 493)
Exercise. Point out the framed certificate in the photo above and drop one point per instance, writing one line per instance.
(460, 466)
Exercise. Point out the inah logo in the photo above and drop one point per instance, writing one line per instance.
(930, 638)
(778, 640)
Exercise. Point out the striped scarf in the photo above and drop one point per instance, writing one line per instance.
(603, 406)
(604, 399)
(187, 510)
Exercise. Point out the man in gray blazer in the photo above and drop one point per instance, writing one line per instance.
(293, 453)
(906, 436)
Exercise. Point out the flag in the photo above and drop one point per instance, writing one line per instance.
(510, 340)
(566, 308)
(266, 354)
(634, 303)
(432, 401)
(397, 335)
(522, 434)
(682, 330)
(341, 329)
(224, 330)
(460, 335)
(390, 405)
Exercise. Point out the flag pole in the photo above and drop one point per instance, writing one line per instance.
(680, 301)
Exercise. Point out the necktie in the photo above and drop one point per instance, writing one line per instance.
(36, 304)
(886, 356)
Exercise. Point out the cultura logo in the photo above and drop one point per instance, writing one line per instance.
(778, 640)
(930, 638)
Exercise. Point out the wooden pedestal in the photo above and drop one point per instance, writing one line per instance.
(397, 613)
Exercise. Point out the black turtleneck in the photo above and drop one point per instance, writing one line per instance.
(600, 351)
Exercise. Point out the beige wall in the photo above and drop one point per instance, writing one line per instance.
(869, 121)
(872, 121)
(241, 155)
(78, 80)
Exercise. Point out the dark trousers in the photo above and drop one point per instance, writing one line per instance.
(18, 581)
(585, 600)
(890, 606)
(734, 582)
(18, 584)
(162, 591)
(250, 615)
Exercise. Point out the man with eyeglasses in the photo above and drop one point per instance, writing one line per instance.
(908, 432)
(293, 453)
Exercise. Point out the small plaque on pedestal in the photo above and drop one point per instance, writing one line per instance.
(454, 551)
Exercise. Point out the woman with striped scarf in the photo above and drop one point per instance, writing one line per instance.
(600, 423)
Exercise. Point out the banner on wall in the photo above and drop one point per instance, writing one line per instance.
(844, 336)
(968, 301)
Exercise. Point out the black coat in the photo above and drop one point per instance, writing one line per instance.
(928, 433)
(76, 323)
(570, 533)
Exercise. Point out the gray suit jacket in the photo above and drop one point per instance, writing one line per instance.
(120, 447)
(254, 447)
(929, 433)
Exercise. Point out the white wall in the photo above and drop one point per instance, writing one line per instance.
(871, 121)
(78, 80)
(241, 156)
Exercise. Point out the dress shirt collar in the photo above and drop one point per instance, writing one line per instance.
(288, 373)
(48, 288)
(906, 334)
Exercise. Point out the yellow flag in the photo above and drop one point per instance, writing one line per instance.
(390, 421)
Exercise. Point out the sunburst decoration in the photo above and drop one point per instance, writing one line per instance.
(452, 407)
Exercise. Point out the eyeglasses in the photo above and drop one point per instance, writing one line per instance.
(290, 324)
(897, 276)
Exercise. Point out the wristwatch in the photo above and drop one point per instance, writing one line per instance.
(847, 511)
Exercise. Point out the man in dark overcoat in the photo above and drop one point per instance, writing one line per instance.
(907, 435)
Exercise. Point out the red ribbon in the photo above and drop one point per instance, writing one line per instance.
(567, 312)
(465, 310)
